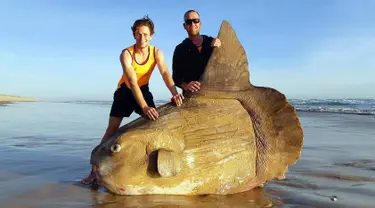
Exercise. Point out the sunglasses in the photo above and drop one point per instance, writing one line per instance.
(190, 21)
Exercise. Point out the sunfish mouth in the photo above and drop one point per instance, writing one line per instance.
(99, 181)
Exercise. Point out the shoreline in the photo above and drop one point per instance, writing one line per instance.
(8, 99)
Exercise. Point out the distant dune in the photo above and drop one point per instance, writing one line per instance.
(9, 98)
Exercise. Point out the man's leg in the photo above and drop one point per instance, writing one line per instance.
(113, 125)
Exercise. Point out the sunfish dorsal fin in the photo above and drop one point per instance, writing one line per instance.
(227, 68)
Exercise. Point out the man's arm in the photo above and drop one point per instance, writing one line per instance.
(126, 63)
(162, 66)
(163, 69)
(177, 67)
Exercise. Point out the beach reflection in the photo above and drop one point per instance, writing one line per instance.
(252, 198)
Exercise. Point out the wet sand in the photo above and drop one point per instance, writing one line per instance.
(336, 169)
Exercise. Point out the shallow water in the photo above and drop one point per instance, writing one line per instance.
(45, 149)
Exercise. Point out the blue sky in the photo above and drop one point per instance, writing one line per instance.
(62, 50)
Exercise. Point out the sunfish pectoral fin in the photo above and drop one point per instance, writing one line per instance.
(168, 163)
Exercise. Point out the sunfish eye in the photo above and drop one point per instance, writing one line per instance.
(116, 148)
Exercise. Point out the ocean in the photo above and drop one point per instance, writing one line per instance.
(347, 106)
(45, 149)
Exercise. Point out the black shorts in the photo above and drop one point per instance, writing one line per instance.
(124, 102)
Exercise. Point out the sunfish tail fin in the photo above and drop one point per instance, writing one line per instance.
(278, 131)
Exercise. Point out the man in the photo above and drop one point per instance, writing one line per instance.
(132, 94)
(191, 56)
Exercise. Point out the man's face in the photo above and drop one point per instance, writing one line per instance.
(142, 36)
(192, 23)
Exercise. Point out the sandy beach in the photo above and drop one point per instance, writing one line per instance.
(43, 160)
(4, 99)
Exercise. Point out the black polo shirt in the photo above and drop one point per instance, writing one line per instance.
(188, 63)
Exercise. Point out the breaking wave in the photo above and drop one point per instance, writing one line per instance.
(347, 106)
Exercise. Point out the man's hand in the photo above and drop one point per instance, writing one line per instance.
(150, 112)
(177, 99)
(193, 86)
(216, 42)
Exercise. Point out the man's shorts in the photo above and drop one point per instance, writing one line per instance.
(124, 102)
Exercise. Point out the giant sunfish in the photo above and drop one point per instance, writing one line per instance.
(229, 137)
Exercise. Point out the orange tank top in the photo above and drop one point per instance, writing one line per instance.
(142, 71)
